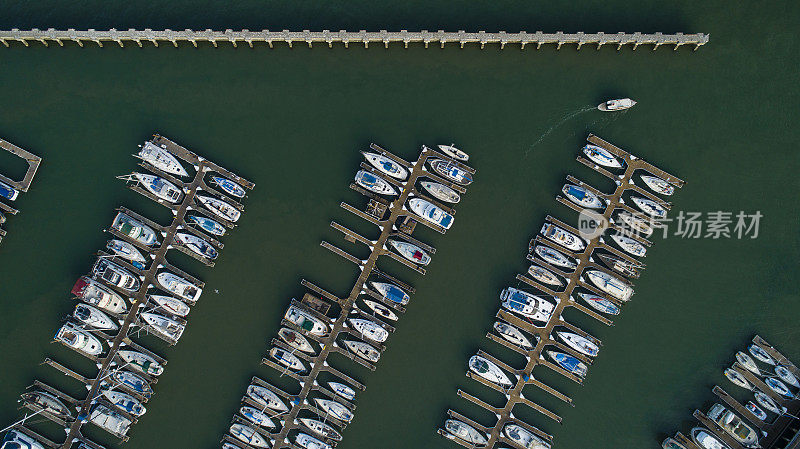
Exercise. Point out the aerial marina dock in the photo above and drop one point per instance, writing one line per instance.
(773, 379)
(9, 189)
(566, 266)
(356, 326)
(132, 288)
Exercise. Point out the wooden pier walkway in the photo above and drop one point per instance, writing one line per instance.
(543, 336)
(362, 37)
(22, 185)
(389, 226)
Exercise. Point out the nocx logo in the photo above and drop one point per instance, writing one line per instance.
(591, 224)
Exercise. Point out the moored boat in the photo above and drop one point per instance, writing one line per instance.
(441, 192)
(391, 292)
(658, 185)
(554, 257)
(93, 317)
(454, 152)
(618, 104)
(760, 354)
(363, 350)
(248, 435)
(266, 398)
(197, 245)
(778, 387)
(164, 326)
(430, 212)
(228, 186)
(161, 159)
(524, 437)
(620, 265)
(125, 402)
(706, 440)
(601, 156)
(465, 432)
(369, 329)
(733, 426)
(569, 363)
(130, 381)
(581, 196)
(8, 192)
(172, 305)
(615, 287)
(566, 239)
(410, 251)
(336, 409)
(512, 334)
(220, 208)
(159, 187)
(450, 171)
(649, 207)
(737, 379)
(630, 245)
(256, 417)
(381, 309)
(134, 229)
(767, 402)
(287, 359)
(141, 362)
(127, 251)
(672, 443)
(636, 224)
(109, 420)
(747, 362)
(306, 441)
(306, 321)
(374, 184)
(79, 340)
(342, 390)
(785, 375)
(600, 304)
(206, 224)
(179, 286)
(526, 304)
(579, 343)
(545, 276)
(16, 439)
(386, 165)
(296, 340)
(49, 403)
(320, 428)
(488, 370)
(756, 410)
(115, 275)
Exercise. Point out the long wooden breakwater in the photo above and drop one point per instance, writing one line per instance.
(522, 38)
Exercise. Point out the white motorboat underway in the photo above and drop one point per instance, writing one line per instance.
(141, 362)
(381, 309)
(601, 156)
(454, 152)
(179, 286)
(524, 437)
(161, 159)
(649, 207)
(125, 402)
(526, 304)
(197, 245)
(785, 375)
(616, 105)
(465, 432)
(579, 343)
(320, 428)
(733, 426)
(306, 321)
(706, 440)
(581, 196)
(79, 340)
(94, 318)
(115, 275)
(450, 171)
(441, 192)
(220, 208)
(430, 212)
(737, 379)
(410, 251)
(747, 362)
(159, 187)
(363, 350)
(554, 257)
(761, 354)
(266, 398)
(488, 370)
(658, 185)
(134, 229)
(374, 184)
(164, 326)
(767, 402)
(636, 224)
(566, 239)
(228, 186)
(256, 417)
(778, 387)
(512, 334)
(342, 390)
(613, 286)
(369, 329)
(600, 304)
(386, 165)
(545, 276)
(287, 359)
(296, 340)
(336, 409)
(391, 292)
(127, 251)
(306, 441)
(248, 435)
(172, 305)
(630, 245)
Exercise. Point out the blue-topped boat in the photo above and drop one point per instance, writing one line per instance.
(228, 186)
(430, 212)
(391, 292)
(569, 363)
(207, 224)
(8, 192)
(373, 183)
(600, 304)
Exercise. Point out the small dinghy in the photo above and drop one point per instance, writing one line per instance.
(386, 165)
(207, 224)
(287, 359)
(179, 286)
(450, 171)
(320, 428)
(649, 207)
(454, 152)
(619, 104)
(441, 192)
(524, 437)
(582, 197)
(620, 265)
(630, 245)
(761, 354)
(197, 245)
(295, 340)
(554, 257)
(706, 440)
(737, 379)
(601, 156)
(342, 390)
(569, 363)
(391, 292)
(220, 208)
(636, 224)
(430, 212)
(410, 251)
(600, 304)
(756, 410)
(125, 402)
(79, 340)
(512, 334)
(159, 187)
(228, 186)
(381, 310)
(374, 184)
(767, 402)
(131, 381)
(747, 362)
(579, 343)
(141, 362)
(658, 185)
(49, 403)
(134, 229)
(526, 304)
(615, 287)
(785, 375)
(778, 387)
(266, 398)
(369, 329)
(161, 159)
(127, 251)
(94, 318)
(363, 350)
(306, 321)
(465, 432)
(168, 303)
(306, 441)
(256, 417)
(544, 276)
(486, 369)
(672, 443)
(115, 275)
(164, 326)
(336, 409)
(248, 435)
(566, 239)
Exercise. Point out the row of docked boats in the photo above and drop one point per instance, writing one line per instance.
(520, 435)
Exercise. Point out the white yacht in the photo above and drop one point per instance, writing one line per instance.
(287, 359)
(601, 156)
(109, 420)
(613, 286)
(141, 362)
(566, 239)
(266, 398)
(179, 286)
(79, 340)
(134, 229)
(342, 390)
(441, 192)
(545, 276)
(524, 438)
(159, 187)
(127, 251)
(630, 245)
(649, 207)
(386, 165)
(488, 370)
(747, 362)
(526, 304)
(707, 440)
(637, 224)
(256, 417)
(579, 343)
(295, 339)
(737, 379)
(93, 317)
(115, 275)
(306, 321)
(450, 171)
(166, 327)
(172, 305)
(220, 208)
(658, 185)
(161, 159)
(248, 435)
(391, 292)
(454, 152)
(381, 310)
(369, 329)
(374, 184)
(582, 196)
(306, 441)
(320, 428)
(410, 251)
(16, 439)
(197, 245)
(761, 354)
(335, 409)
(785, 375)
(465, 432)
(616, 105)
(733, 426)
(363, 350)
(125, 402)
(430, 212)
(512, 334)
(554, 257)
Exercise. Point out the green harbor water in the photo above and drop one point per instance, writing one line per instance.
(723, 118)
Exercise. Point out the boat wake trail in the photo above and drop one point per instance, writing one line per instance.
(564, 118)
